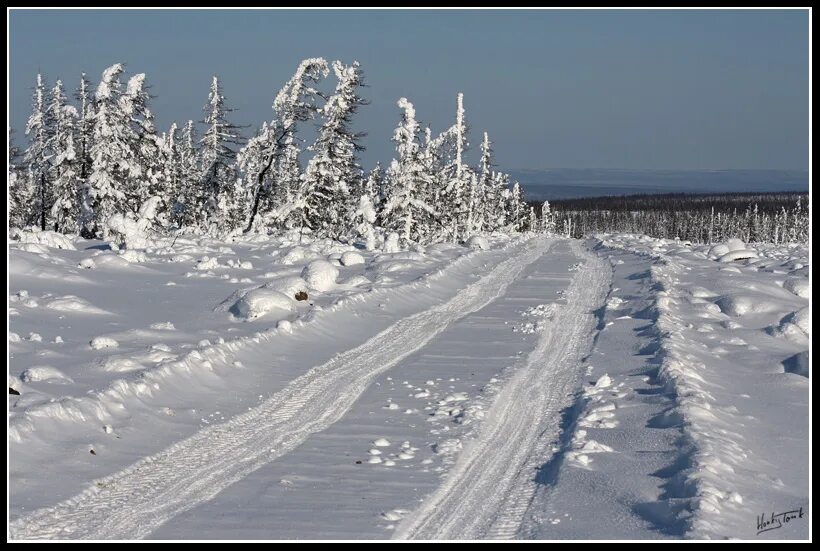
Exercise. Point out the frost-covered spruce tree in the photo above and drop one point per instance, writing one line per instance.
(548, 225)
(64, 169)
(111, 152)
(146, 175)
(296, 102)
(373, 187)
(486, 212)
(456, 199)
(82, 144)
(38, 156)
(218, 146)
(404, 208)
(185, 213)
(20, 191)
(517, 212)
(333, 175)
(364, 218)
(173, 176)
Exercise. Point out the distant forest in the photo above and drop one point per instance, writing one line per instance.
(775, 217)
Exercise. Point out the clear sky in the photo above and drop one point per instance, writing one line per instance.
(579, 89)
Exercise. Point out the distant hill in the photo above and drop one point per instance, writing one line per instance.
(568, 183)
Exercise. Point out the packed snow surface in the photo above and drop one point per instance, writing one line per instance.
(527, 387)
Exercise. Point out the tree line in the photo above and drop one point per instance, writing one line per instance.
(776, 217)
(101, 156)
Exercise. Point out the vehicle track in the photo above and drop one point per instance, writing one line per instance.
(487, 492)
(134, 502)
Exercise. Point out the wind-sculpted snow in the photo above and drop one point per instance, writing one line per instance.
(740, 401)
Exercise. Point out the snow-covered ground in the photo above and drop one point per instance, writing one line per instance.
(528, 387)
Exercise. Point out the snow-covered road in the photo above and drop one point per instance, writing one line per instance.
(545, 388)
(134, 502)
(490, 487)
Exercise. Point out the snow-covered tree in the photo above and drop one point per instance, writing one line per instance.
(64, 173)
(364, 218)
(38, 156)
(147, 163)
(21, 193)
(184, 211)
(517, 212)
(457, 196)
(548, 224)
(373, 185)
(488, 201)
(217, 200)
(173, 177)
(296, 102)
(404, 207)
(111, 151)
(82, 144)
(333, 175)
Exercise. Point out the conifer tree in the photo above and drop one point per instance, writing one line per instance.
(404, 207)
(111, 152)
(38, 157)
(333, 175)
(64, 173)
(272, 193)
(217, 188)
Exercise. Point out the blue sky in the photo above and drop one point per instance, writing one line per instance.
(579, 89)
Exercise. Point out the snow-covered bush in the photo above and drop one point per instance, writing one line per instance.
(130, 231)
(320, 275)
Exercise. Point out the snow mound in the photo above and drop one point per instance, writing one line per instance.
(391, 243)
(351, 258)
(44, 373)
(71, 303)
(799, 286)
(87, 264)
(448, 447)
(741, 305)
(741, 254)
(207, 263)
(288, 285)
(735, 244)
(112, 260)
(33, 248)
(798, 364)
(358, 280)
(604, 381)
(259, 302)
(99, 343)
(133, 256)
(320, 275)
(795, 326)
(478, 243)
(701, 292)
(121, 365)
(46, 238)
(296, 254)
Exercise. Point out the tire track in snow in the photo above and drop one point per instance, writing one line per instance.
(134, 502)
(488, 491)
